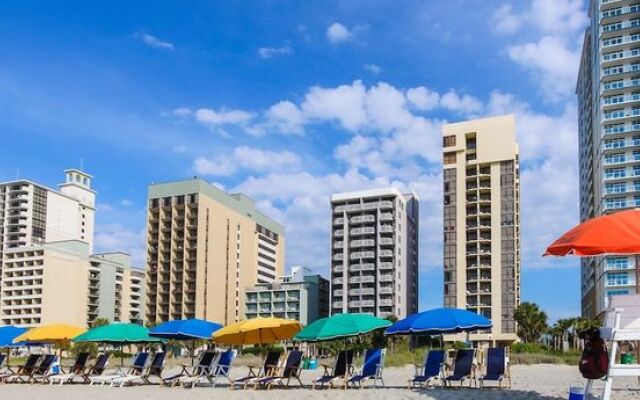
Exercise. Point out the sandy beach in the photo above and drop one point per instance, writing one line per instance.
(543, 382)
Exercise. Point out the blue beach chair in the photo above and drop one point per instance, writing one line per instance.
(371, 369)
(497, 368)
(463, 368)
(431, 369)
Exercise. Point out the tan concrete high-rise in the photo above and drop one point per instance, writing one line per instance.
(482, 222)
(204, 248)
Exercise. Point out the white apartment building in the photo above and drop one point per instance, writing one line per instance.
(31, 213)
(374, 252)
(47, 274)
(608, 91)
(481, 205)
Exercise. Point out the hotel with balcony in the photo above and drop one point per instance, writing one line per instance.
(47, 274)
(204, 248)
(608, 91)
(301, 296)
(116, 289)
(482, 223)
(374, 252)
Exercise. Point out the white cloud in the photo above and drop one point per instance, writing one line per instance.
(223, 116)
(155, 42)
(422, 98)
(219, 120)
(180, 149)
(338, 33)
(373, 68)
(221, 166)
(464, 104)
(126, 203)
(268, 52)
(553, 58)
(551, 62)
(182, 112)
(115, 237)
(344, 103)
(247, 158)
(286, 117)
(504, 20)
(559, 16)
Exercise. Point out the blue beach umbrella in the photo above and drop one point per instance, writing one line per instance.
(440, 321)
(8, 333)
(185, 329)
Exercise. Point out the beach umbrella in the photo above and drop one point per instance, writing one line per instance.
(617, 233)
(186, 329)
(439, 321)
(341, 326)
(53, 333)
(118, 333)
(257, 331)
(8, 333)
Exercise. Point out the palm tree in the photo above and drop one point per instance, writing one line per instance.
(532, 322)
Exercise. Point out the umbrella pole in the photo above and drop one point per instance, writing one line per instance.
(193, 352)
(637, 259)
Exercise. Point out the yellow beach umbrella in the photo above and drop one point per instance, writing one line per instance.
(257, 331)
(53, 333)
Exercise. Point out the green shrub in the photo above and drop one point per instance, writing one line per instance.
(528, 348)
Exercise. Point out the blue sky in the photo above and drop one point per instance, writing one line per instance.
(292, 101)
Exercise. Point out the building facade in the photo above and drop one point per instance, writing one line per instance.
(32, 214)
(301, 296)
(204, 248)
(608, 91)
(374, 252)
(482, 222)
(47, 272)
(116, 289)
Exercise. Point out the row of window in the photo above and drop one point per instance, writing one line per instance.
(620, 39)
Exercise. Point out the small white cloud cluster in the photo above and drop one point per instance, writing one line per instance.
(268, 52)
(155, 42)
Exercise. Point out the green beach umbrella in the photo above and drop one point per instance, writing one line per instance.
(118, 333)
(341, 326)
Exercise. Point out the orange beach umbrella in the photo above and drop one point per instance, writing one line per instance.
(617, 233)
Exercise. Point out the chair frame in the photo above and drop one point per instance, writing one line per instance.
(278, 377)
(264, 371)
(347, 372)
(503, 378)
(472, 373)
(377, 376)
(420, 371)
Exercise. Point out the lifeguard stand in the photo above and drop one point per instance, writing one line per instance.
(622, 324)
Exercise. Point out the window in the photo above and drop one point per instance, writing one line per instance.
(617, 292)
(617, 279)
(614, 158)
(613, 188)
(449, 141)
(449, 158)
(615, 203)
(617, 262)
(611, 173)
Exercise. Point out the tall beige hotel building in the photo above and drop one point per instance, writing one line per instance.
(204, 248)
(482, 222)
